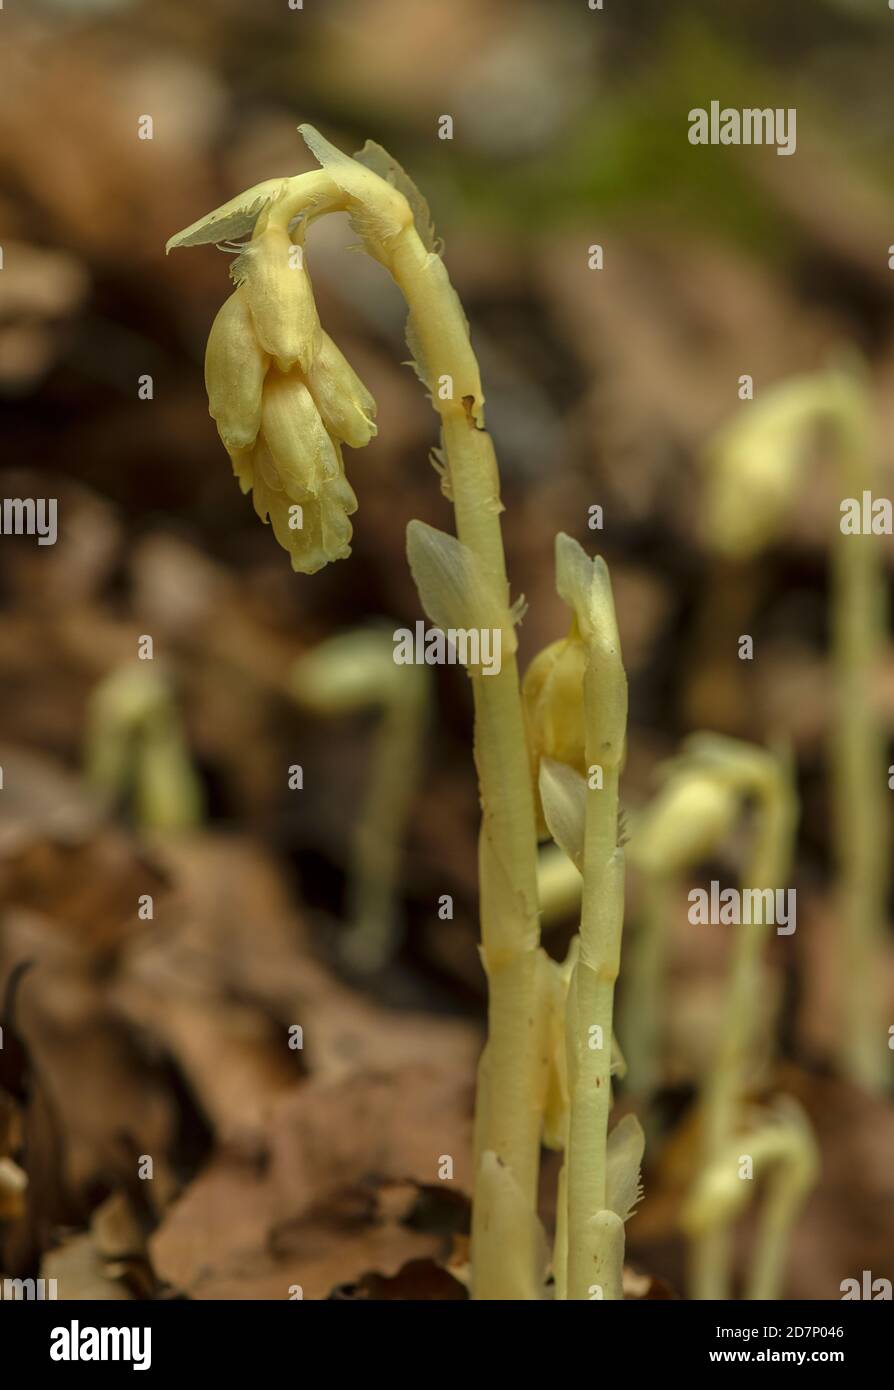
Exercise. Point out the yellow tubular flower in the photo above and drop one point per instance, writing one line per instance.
(313, 528)
(346, 407)
(285, 399)
(235, 368)
(303, 453)
(279, 294)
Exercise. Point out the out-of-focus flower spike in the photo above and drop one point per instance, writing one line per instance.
(347, 408)
(280, 296)
(304, 453)
(235, 368)
(745, 765)
(690, 816)
(753, 467)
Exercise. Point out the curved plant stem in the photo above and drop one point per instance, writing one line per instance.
(726, 1082)
(511, 1123)
(858, 759)
(591, 1002)
(781, 1206)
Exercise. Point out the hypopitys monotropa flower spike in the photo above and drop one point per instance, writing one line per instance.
(285, 399)
(466, 580)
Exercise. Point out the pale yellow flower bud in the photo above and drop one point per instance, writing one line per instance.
(343, 401)
(553, 706)
(279, 293)
(585, 586)
(553, 697)
(302, 450)
(235, 368)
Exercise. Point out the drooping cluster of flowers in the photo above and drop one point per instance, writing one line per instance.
(285, 399)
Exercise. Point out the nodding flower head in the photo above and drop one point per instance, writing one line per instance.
(700, 799)
(692, 814)
(284, 398)
(754, 466)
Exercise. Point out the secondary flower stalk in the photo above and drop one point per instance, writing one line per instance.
(689, 816)
(780, 1151)
(595, 1234)
(581, 685)
(136, 750)
(355, 671)
(753, 470)
(768, 780)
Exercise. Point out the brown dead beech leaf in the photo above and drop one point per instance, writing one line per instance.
(317, 1216)
(32, 1148)
(229, 971)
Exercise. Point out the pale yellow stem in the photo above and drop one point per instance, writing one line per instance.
(593, 1239)
(378, 843)
(859, 764)
(508, 843)
(726, 1083)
